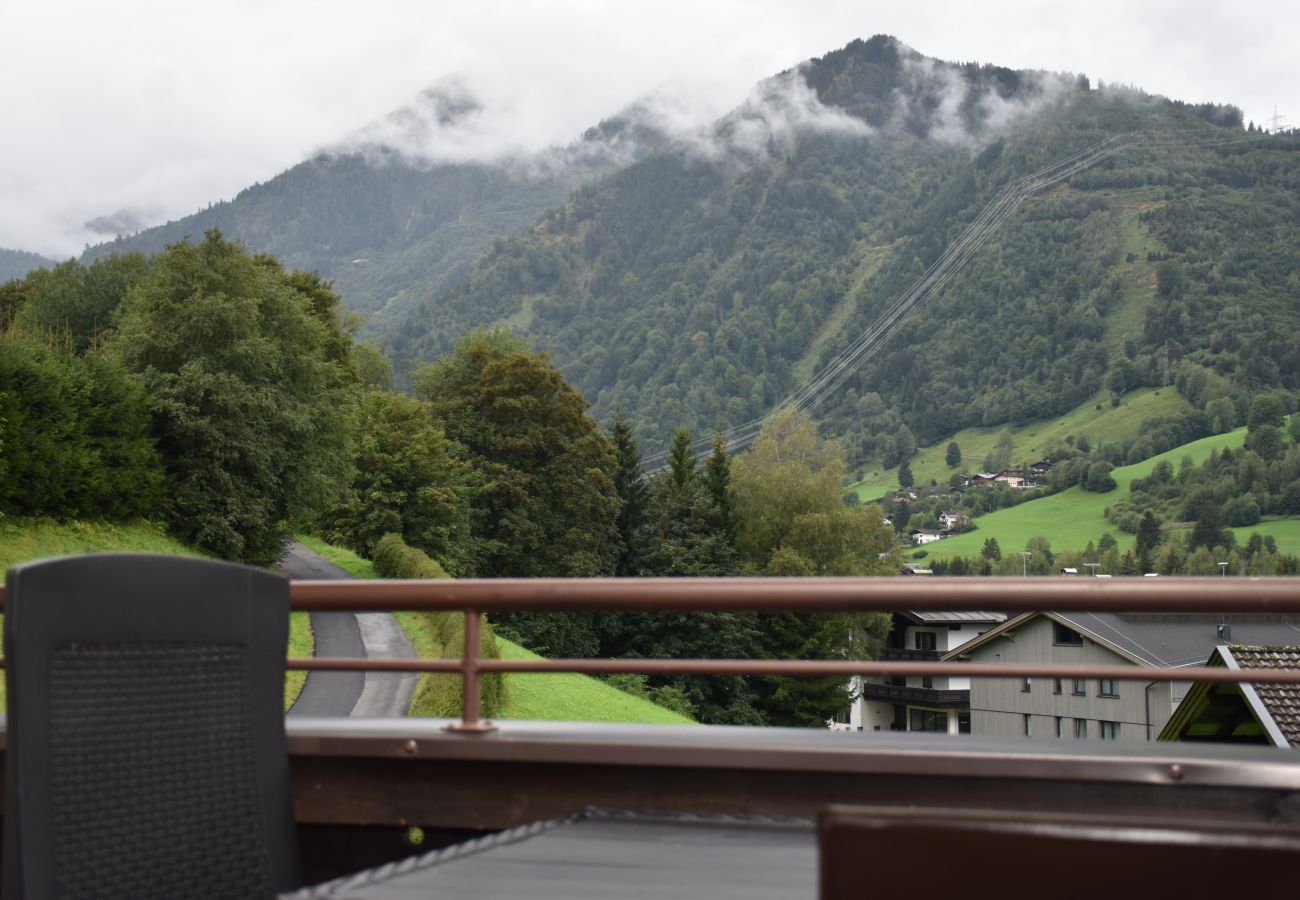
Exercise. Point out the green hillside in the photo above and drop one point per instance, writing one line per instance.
(1094, 418)
(575, 698)
(1072, 518)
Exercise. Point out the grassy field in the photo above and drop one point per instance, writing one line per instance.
(575, 698)
(22, 540)
(1072, 518)
(559, 697)
(1096, 418)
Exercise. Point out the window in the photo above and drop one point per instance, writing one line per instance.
(924, 640)
(1024, 686)
(1080, 728)
(927, 681)
(1062, 634)
(1060, 724)
(1080, 687)
(928, 720)
(963, 723)
(1056, 686)
(1108, 687)
(1109, 731)
(1029, 725)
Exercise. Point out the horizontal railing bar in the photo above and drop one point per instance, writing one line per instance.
(1183, 595)
(812, 668)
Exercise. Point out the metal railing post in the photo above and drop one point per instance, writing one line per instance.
(471, 694)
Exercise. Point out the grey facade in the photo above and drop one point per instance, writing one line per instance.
(1055, 707)
(1096, 710)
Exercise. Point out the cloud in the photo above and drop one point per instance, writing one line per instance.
(970, 106)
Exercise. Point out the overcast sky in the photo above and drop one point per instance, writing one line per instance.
(159, 107)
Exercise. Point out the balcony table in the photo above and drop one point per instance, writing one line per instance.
(598, 854)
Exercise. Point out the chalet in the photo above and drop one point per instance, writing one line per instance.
(1042, 467)
(921, 703)
(953, 519)
(1069, 571)
(1241, 713)
(920, 537)
(1098, 708)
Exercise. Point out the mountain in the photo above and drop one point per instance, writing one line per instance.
(709, 281)
(17, 263)
(378, 216)
(905, 246)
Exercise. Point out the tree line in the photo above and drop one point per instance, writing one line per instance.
(216, 391)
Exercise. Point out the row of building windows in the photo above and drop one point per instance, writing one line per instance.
(1106, 687)
(1078, 728)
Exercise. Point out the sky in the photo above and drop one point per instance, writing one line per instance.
(138, 111)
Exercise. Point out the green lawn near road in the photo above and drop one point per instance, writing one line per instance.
(570, 697)
(1072, 518)
(554, 697)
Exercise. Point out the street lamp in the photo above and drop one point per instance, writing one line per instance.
(1223, 569)
(1024, 561)
(1092, 567)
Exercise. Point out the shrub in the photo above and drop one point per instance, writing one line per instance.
(394, 558)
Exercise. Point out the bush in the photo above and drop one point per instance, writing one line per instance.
(394, 558)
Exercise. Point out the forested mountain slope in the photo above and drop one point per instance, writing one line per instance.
(702, 285)
(379, 219)
(17, 263)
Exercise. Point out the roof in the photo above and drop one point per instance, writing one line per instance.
(944, 618)
(1160, 639)
(1281, 702)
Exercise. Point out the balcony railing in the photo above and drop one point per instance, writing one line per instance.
(921, 695)
(476, 597)
(902, 653)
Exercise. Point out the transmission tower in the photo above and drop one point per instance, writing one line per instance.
(1273, 121)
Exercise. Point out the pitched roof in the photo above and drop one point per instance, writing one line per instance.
(944, 618)
(1281, 702)
(1160, 639)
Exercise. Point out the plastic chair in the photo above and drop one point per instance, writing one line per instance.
(146, 748)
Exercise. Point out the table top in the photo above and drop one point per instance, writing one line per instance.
(600, 854)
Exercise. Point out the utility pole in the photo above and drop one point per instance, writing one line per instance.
(1092, 568)
(1273, 121)
(1024, 562)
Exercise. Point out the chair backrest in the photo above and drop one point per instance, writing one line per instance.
(921, 853)
(146, 748)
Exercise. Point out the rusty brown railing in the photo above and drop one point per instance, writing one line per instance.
(474, 598)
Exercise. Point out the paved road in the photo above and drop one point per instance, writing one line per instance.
(374, 635)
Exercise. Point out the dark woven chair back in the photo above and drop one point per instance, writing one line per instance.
(146, 749)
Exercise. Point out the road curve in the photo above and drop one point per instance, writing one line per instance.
(372, 635)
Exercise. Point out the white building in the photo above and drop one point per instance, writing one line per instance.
(920, 703)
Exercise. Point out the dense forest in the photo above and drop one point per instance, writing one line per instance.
(218, 392)
(701, 287)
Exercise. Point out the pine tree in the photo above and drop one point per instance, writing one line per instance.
(630, 483)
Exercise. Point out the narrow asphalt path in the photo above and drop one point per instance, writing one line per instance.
(372, 635)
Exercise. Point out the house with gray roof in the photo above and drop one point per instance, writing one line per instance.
(1090, 708)
(1241, 713)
